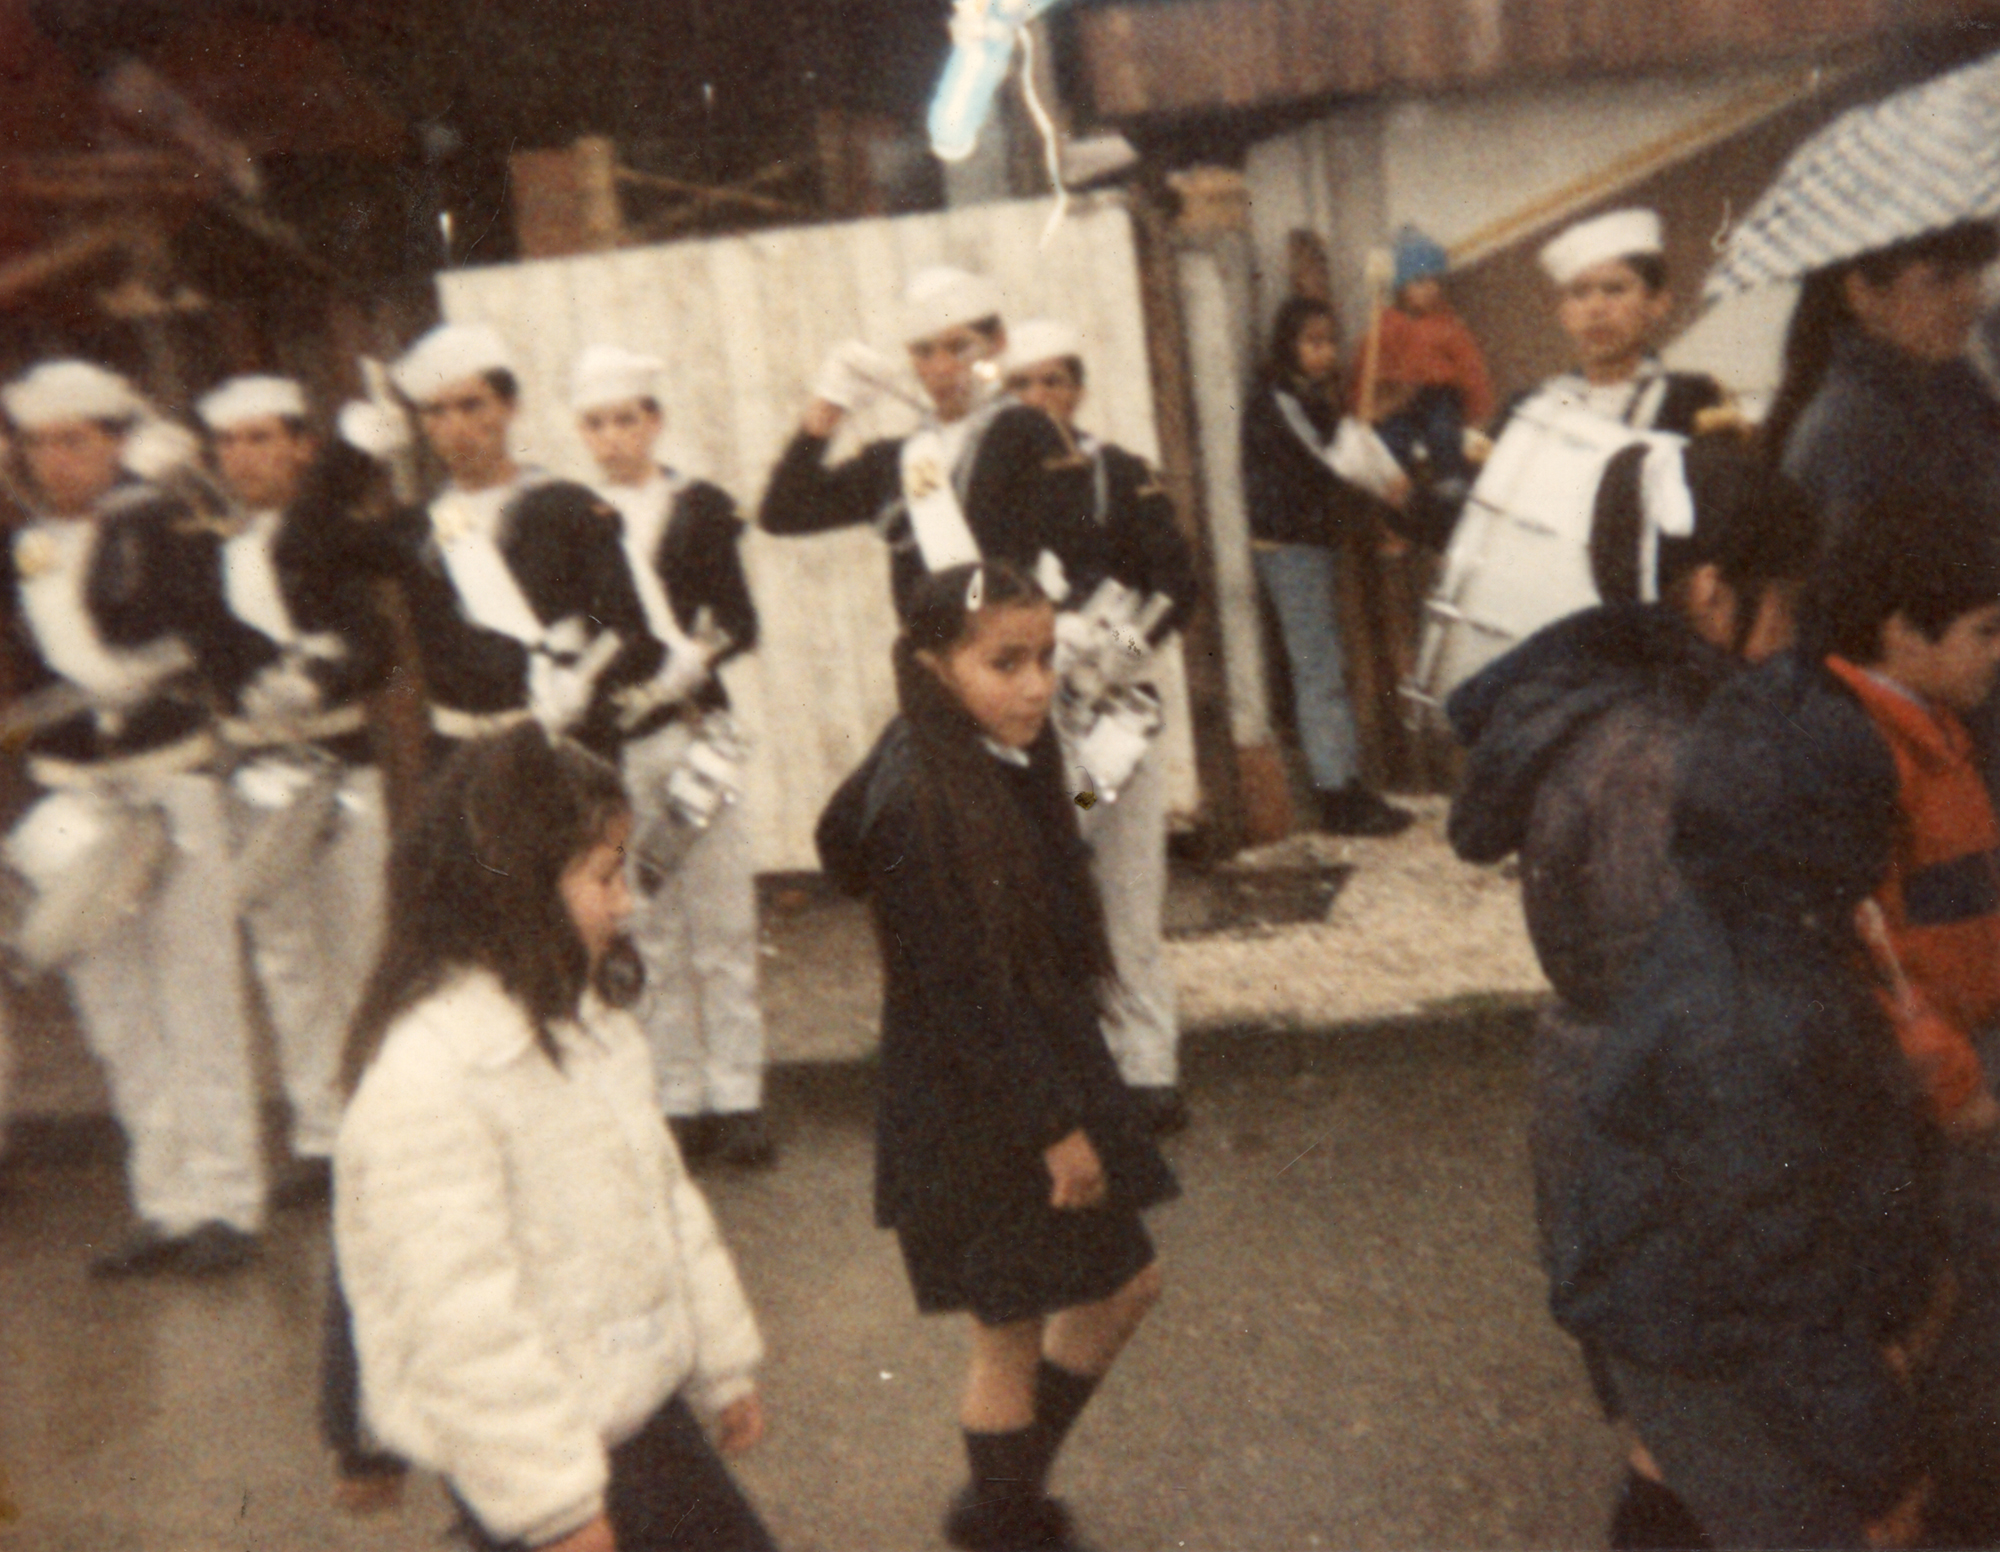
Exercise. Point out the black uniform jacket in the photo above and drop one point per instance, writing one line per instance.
(1135, 538)
(1292, 496)
(322, 557)
(975, 1082)
(698, 563)
(1028, 489)
(155, 575)
(561, 544)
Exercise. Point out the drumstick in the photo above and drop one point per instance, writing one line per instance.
(1378, 270)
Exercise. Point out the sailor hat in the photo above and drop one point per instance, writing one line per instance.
(450, 353)
(1618, 234)
(57, 392)
(243, 399)
(1042, 339)
(610, 374)
(941, 298)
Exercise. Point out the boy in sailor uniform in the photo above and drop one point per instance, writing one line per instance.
(697, 931)
(1610, 274)
(519, 593)
(298, 722)
(1134, 539)
(985, 476)
(112, 592)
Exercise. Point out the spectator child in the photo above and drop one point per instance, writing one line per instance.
(1011, 1160)
(538, 1290)
(1430, 374)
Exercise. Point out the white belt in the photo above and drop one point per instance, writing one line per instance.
(167, 760)
(336, 723)
(448, 722)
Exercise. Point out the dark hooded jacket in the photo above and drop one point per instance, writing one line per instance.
(1575, 741)
(976, 1082)
(1757, 1202)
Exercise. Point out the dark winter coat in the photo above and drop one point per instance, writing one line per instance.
(976, 1083)
(1291, 495)
(1575, 741)
(1133, 536)
(1883, 421)
(1758, 1198)
(1023, 485)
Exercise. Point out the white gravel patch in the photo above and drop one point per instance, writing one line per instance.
(1413, 928)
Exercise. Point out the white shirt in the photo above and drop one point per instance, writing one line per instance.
(643, 512)
(53, 560)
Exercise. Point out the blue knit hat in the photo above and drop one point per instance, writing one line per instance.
(1418, 257)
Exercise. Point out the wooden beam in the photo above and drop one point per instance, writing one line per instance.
(60, 257)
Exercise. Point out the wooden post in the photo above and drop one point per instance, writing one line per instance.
(597, 193)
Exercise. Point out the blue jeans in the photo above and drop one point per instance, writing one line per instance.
(1299, 579)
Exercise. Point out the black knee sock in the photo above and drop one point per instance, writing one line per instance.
(1002, 1464)
(1060, 1397)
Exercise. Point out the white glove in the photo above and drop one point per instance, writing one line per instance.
(380, 432)
(156, 448)
(1076, 641)
(679, 677)
(1362, 458)
(854, 376)
(558, 695)
(281, 693)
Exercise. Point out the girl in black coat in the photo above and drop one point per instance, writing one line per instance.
(1011, 1161)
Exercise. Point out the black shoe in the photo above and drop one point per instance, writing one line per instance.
(147, 1250)
(1651, 1515)
(1355, 810)
(1161, 1105)
(982, 1524)
(304, 1183)
(213, 1249)
(742, 1139)
(694, 1135)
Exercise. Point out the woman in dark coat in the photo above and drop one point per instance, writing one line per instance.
(1010, 1159)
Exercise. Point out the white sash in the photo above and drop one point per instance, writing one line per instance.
(944, 538)
(486, 589)
(250, 580)
(641, 541)
(53, 561)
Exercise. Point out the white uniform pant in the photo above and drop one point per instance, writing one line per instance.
(698, 939)
(1128, 840)
(161, 999)
(313, 941)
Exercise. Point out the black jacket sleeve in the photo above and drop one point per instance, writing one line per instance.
(806, 496)
(703, 569)
(1148, 550)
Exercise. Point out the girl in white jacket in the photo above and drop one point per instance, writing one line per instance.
(540, 1300)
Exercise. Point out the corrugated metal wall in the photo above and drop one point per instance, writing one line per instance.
(743, 324)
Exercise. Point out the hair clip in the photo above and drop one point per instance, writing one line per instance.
(975, 590)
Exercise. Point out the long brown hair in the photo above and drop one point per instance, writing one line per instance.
(996, 850)
(475, 881)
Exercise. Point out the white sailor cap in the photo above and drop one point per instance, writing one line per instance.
(941, 298)
(1042, 339)
(450, 353)
(1618, 234)
(243, 399)
(59, 391)
(611, 374)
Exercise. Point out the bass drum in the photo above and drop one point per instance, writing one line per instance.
(1519, 558)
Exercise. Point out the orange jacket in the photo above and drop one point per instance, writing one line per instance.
(1435, 350)
(1941, 897)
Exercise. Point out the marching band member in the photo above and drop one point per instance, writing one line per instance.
(984, 476)
(112, 591)
(696, 927)
(1610, 274)
(309, 787)
(519, 593)
(1135, 541)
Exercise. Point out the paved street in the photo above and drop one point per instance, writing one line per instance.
(1352, 1352)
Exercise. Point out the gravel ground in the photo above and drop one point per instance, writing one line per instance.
(1415, 930)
